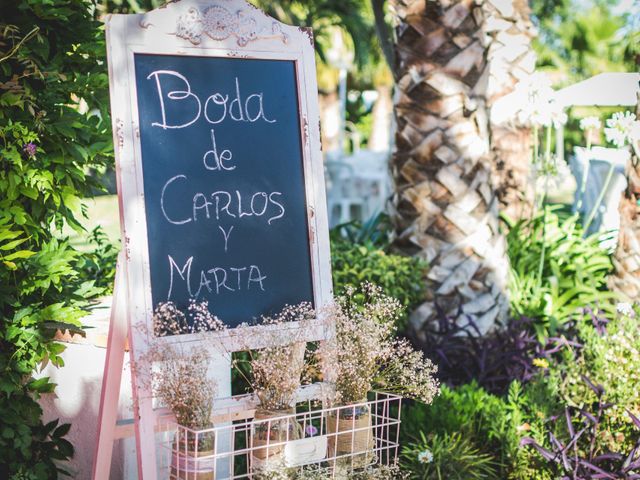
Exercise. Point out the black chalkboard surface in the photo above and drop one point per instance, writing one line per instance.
(223, 183)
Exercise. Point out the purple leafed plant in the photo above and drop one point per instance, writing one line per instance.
(493, 360)
(577, 458)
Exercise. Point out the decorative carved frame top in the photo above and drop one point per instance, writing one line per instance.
(220, 23)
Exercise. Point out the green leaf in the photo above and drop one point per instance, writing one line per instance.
(13, 244)
(62, 430)
(41, 385)
(19, 255)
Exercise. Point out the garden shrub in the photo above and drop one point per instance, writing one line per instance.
(610, 360)
(577, 453)
(492, 427)
(458, 458)
(575, 414)
(52, 70)
(360, 254)
(494, 360)
(552, 280)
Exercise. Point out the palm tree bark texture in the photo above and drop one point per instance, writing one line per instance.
(445, 206)
(511, 59)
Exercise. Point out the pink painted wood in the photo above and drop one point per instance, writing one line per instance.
(108, 413)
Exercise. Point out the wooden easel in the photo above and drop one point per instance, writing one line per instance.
(112, 378)
(108, 428)
(194, 28)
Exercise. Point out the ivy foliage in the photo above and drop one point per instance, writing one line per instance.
(54, 132)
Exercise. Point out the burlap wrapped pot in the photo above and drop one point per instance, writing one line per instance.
(351, 435)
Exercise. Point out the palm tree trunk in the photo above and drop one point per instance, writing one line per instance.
(445, 204)
(511, 59)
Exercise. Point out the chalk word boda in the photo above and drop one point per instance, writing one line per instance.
(216, 108)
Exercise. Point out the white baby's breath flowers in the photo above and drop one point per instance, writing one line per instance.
(371, 472)
(590, 123)
(277, 370)
(425, 456)
(177, 376)
(176, 373)
(365, 352)
(168, 319)
(622, 127)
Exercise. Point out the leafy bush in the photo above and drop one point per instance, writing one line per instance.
(52, 63)
(360, 254)
(449, 456)
(579, 455)
(553, 279)
(491, 425)
(610, 359)
(575, 415)
(493, 360)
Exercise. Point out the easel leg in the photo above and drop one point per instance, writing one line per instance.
(108, 413)
(145, 422)
(220, 372)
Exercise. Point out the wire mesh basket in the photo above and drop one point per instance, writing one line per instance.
(256, 444)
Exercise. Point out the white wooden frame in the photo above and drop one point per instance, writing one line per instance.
(213, 28)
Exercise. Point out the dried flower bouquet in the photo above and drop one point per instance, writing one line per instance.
(177, 375)
(275, 374)
(364, 355)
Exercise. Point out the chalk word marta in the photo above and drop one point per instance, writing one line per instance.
(215, 280)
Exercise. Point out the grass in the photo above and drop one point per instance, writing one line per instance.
(101, 211)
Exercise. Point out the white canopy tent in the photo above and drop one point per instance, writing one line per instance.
(613, 89)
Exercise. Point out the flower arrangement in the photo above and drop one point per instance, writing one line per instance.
(366, 354)
(168, 319)
(175, 373)
(180, 382)
(275, 374)
(373, 472)
(277, 371)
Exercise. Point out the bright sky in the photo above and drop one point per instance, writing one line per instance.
(627, 6)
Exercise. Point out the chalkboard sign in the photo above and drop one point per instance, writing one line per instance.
(220, 187)
(224, 183)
